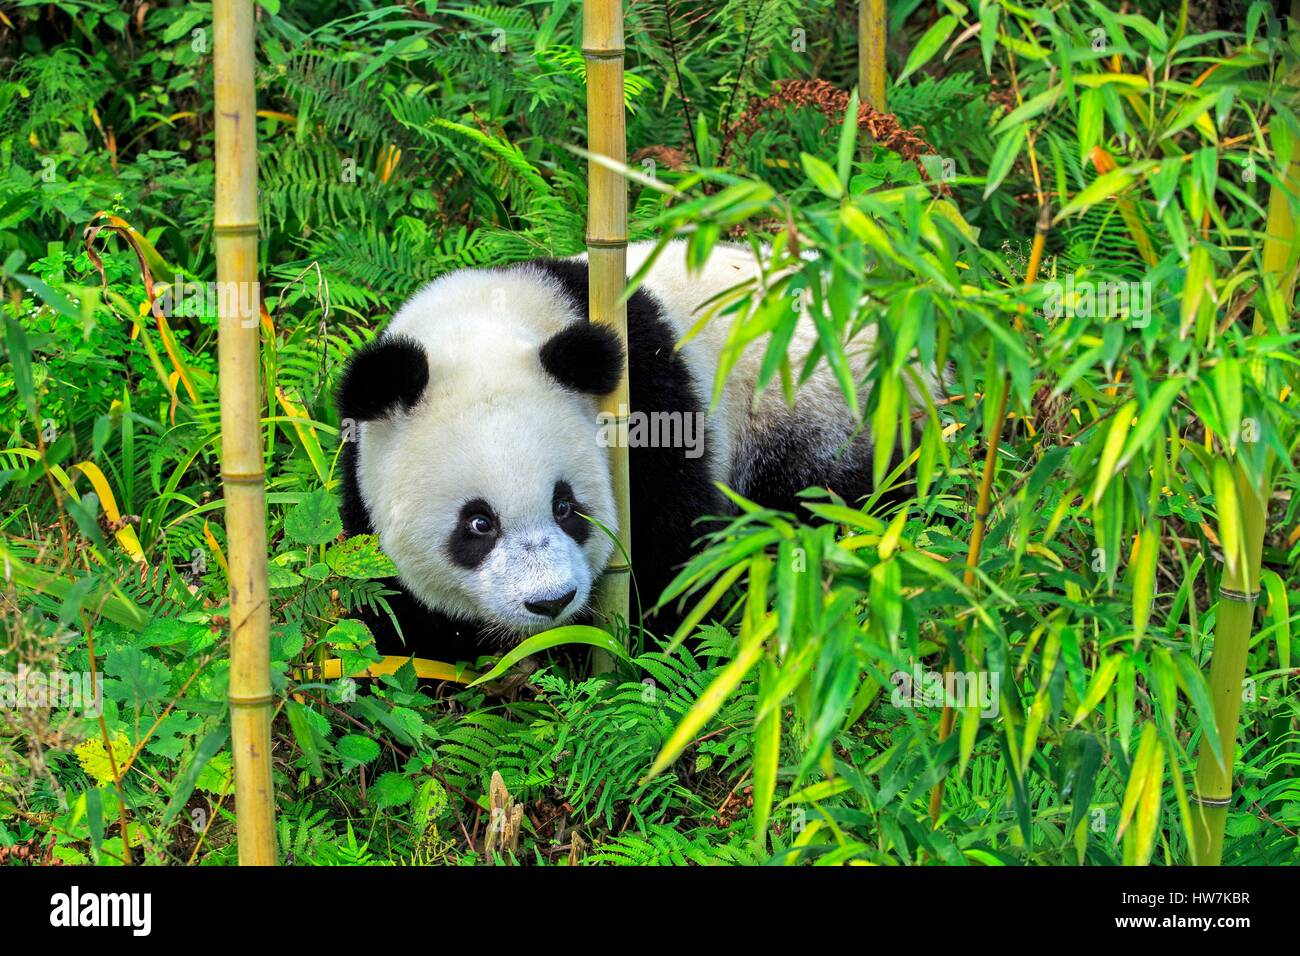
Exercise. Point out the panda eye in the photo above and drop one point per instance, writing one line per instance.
(563, 507)
(480, 524)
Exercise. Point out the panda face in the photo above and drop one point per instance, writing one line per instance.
(484, 474)
(529, 571)
(484, 507)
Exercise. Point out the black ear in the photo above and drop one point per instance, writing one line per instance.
(584, 357)
(391, 371)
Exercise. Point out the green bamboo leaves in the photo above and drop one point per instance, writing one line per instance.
(1230, 517)
(1140, 811)
(1144, 579)
(1112, 449)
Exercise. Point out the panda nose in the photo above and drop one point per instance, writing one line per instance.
(551, 607)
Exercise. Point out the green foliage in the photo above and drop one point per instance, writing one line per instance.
(400, 142)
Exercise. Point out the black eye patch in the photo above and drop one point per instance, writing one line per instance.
(469, 543)
(573, 524)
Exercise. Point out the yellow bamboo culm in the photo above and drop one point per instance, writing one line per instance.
(235, 229)
(871, 52)
(602, 32)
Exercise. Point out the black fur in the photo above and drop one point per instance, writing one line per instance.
(574, 525)
(584, 358)
(389, 372)
(797, 455)
(467, 548)
(669, 490)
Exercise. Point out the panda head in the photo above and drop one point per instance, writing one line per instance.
(480, 468)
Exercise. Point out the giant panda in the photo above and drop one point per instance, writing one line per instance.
(477, 449)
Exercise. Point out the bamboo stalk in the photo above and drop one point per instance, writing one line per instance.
(1238, 589)
(602, 31)
(1239, 586)
(871, 53)
(235, 230)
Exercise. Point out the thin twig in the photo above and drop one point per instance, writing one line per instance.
(681, 87)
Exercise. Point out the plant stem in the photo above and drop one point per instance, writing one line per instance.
(243, 477)
(982, 503)
(602, 47)
(871, 53)
(681, 87)
(1237, 591)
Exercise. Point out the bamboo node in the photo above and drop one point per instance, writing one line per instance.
(1243, 597)
(607, 243)
(235, 229)
(618, 569)
(240, 478)
(257, 701)
(1211, 801)
(603, 54)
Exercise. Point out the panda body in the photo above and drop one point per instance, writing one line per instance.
(478, 443)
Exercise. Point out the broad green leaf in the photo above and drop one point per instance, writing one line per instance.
(360, 557)
(357, 750)
(393, 790)
(314, 520)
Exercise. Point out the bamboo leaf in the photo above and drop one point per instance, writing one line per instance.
(767, 747)
(568, 634)
(1137, 777)
(1230, 519)
(1101, 681)
(1144, 578)
(1110, 452)
(1031, 108)
(1008, 148)
(713, 697)
(822, 175)
(1198, 691)
(1091, 118)
(1280, 613)
(1151, 419)
(1103, 187)
(929, 44)
(988, 33)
